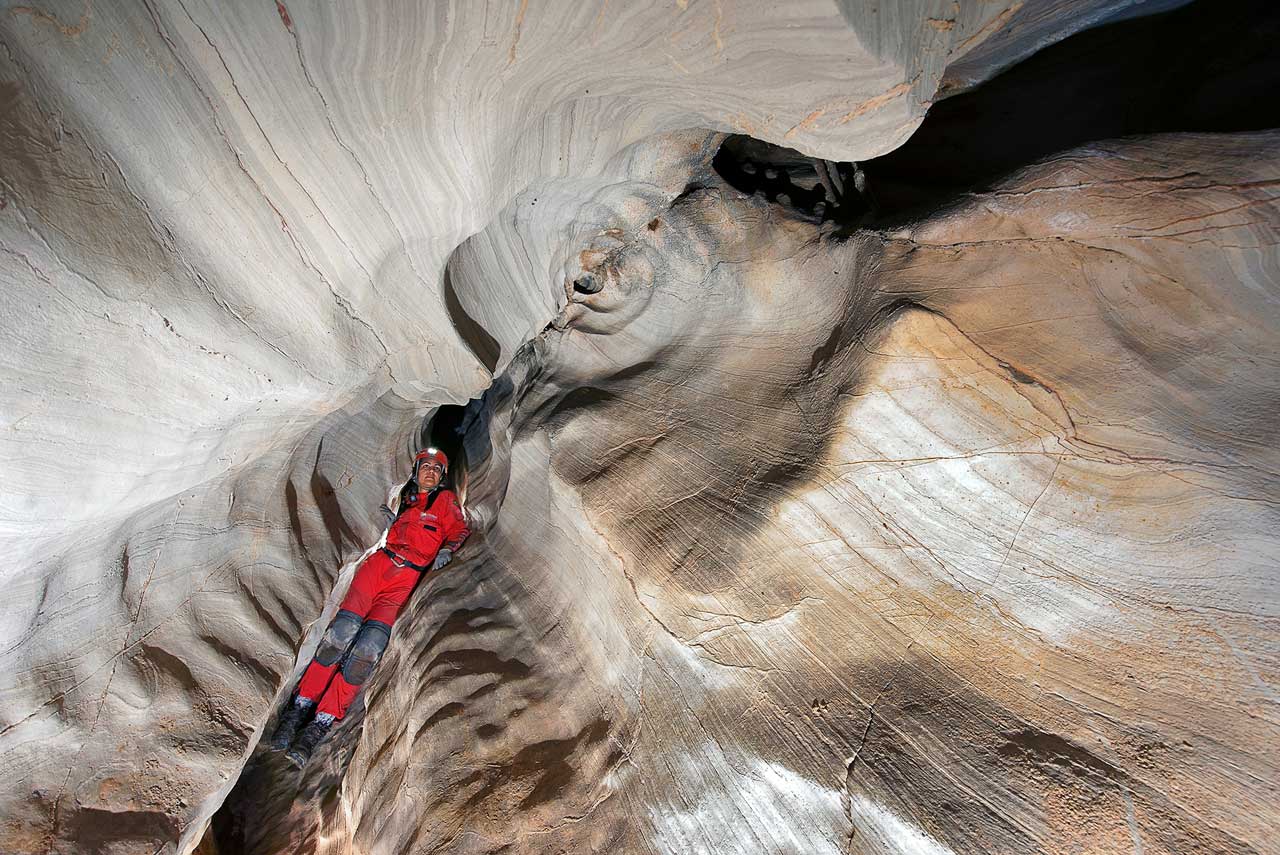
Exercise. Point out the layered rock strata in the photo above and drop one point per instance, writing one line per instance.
(911, 574)
(951, 532)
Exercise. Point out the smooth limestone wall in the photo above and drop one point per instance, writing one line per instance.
(949, 538)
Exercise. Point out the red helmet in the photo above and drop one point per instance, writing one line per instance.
(431, 454)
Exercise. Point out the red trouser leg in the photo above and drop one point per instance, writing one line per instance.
(337, 697)
(359, 600)
(395, 586)
(315, 680)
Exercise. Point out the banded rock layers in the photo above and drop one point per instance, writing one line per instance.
(946, 530)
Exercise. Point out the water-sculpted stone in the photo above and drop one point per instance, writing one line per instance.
(955, 534)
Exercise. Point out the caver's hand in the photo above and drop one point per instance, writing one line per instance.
(443, 557)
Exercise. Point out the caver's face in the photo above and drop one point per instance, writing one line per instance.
(429, 474)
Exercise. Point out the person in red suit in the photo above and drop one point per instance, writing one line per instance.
(427, 528)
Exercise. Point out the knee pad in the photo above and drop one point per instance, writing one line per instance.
(366, 652)
(338, 637)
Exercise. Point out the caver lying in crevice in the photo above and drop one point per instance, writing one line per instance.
(427, 527)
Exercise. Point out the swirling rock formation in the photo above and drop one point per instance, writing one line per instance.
(934, 529)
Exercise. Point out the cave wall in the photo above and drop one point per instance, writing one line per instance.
(850, 545)
(950, 535)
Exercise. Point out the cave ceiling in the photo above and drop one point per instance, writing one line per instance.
(865, 412)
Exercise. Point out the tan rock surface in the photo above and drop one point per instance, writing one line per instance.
(950, 536)
(910, 568)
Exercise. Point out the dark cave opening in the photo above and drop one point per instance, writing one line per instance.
(1206, 67)
(444, 430)
(817, 188)
(588, 283)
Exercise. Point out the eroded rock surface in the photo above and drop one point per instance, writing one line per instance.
(947, 531)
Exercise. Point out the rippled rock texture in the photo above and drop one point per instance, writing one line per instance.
(946, 525)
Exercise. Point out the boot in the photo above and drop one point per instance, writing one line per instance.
(312, 735)
(287, 728)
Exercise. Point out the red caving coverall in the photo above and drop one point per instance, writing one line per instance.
(383, 581)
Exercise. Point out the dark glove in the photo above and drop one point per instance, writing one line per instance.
(388, 515)
(443, 557)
